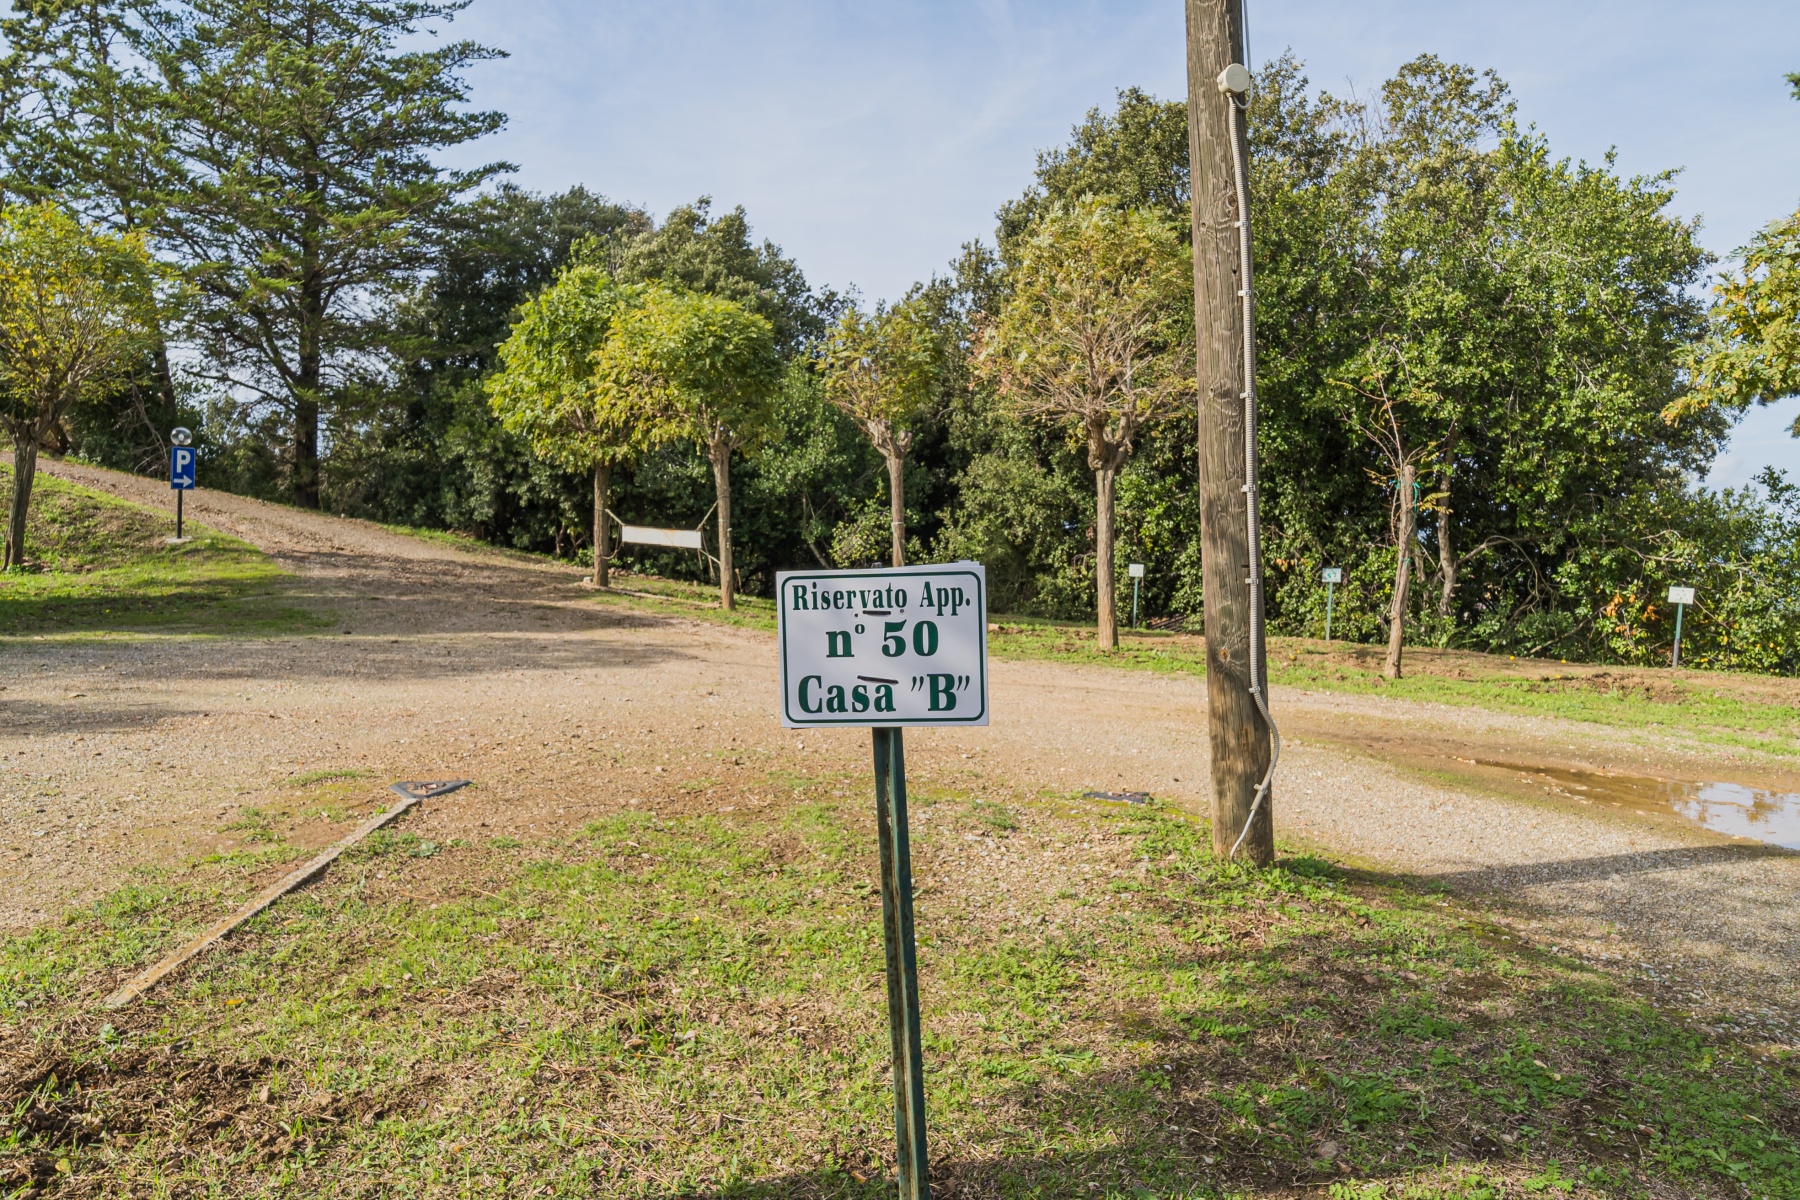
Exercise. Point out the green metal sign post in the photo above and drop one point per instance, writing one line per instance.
(902, 963)
(886, 649)
(1136, 571)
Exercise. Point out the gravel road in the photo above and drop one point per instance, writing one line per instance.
(117, 754)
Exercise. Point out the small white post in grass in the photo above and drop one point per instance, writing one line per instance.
(1331, 576)
(1680, 597)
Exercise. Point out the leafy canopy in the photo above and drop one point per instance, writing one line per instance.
(1096, 333)
(76, 308)
(686, 365)
(882, 367)
(547, 389)
(694, 251)
(308, 195)
(1752, 355)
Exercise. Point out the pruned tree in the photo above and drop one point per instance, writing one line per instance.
(1096, 336)
(881, 370)
(688, 365)
(77, 306)
(1395, 403)
(548, 391)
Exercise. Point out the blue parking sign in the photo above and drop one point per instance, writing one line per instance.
(181, 468)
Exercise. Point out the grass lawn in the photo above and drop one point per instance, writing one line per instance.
(1716, 707)
(101, 565)
(688, 1003)
(1722, 708)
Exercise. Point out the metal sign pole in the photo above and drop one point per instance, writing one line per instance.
(883, 649)
(178, 495)
(1134, 602)
(1329, 589)
(902, 964)
(1676, 661)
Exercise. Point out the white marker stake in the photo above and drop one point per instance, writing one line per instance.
(1332, 577)
(1680, 597)
(887, 649)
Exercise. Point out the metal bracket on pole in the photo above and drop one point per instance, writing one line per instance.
(902, 964)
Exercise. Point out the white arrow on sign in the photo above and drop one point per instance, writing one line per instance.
(884, 648)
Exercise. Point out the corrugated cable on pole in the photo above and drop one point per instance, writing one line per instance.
(1240, 732)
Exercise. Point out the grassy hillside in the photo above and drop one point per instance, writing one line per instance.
(691, 1004)
(100, 564)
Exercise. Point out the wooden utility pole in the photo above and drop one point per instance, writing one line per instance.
(1239, 735)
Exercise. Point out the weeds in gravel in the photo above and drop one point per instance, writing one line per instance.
(694, 1006)
(101, 565)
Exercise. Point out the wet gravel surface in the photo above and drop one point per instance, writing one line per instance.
(116, 754)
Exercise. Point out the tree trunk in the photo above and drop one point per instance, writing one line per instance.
(165, 377)
(306, 451)
(24, 472)
(602, 483)
(310, 365)
(719, 450)
(1446, 551)
(896, 465)
(1239, 736)
(1402, 575)
(1105, 483)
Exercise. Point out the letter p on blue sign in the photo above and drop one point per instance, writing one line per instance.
(181, 468)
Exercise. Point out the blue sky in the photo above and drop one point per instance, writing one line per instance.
(871, 139)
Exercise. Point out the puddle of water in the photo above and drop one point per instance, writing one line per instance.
(1728, 808)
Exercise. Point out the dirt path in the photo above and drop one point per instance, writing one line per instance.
(121, 754)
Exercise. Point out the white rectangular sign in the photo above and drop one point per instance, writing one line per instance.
(1135, 570)
(896, 647)
(646, 535)
(1332, 575)
(1681, 595)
